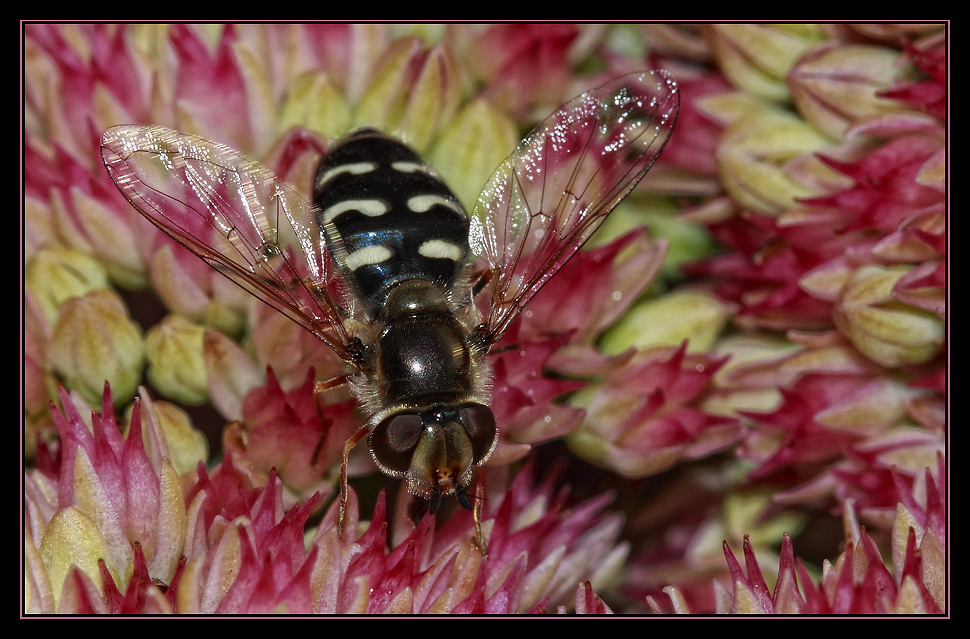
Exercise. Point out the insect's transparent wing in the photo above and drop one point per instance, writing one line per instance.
(562, 181)
(236, 215)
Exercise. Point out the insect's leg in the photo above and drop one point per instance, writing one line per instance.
(319, 388)
(481, 282)
(503, 349)
(344, 487)
(477, 516)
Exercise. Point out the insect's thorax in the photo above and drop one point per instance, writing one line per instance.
(400, 238)
(388, 219)
(423, 352)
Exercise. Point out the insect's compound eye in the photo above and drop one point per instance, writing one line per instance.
(394, 440)
(479, 423)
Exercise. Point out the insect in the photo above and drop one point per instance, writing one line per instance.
(384, 265)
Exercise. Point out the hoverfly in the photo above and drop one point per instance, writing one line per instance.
(381, 267)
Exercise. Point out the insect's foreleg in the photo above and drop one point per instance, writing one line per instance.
(319, 388)
(480, 281)
(477, 515)
(344, 487)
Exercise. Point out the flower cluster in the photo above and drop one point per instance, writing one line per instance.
(752, 347)
(221, 541)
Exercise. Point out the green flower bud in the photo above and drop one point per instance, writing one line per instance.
(94, 341)
(210, 299)
(186, 445)
(412, 93)
(884, 329)
(315, 103)
(176, 366)
(99, 229)
(766, 164)
(758, 57)
(56, 274)
(836, 86)
(697, 316)
(477, 141)
(72, 539)
(434, 97)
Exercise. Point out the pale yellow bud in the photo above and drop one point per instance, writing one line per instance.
(412, 94)
(94, 341)
(694, 315)
(314, 102)
(758, 57)
(176, 366)
(478, 140)
(836, 86)
(56, 274)
(884, 329)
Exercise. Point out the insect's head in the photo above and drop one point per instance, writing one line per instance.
(435, 449)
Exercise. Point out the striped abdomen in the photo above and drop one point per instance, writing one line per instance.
(388, 218)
